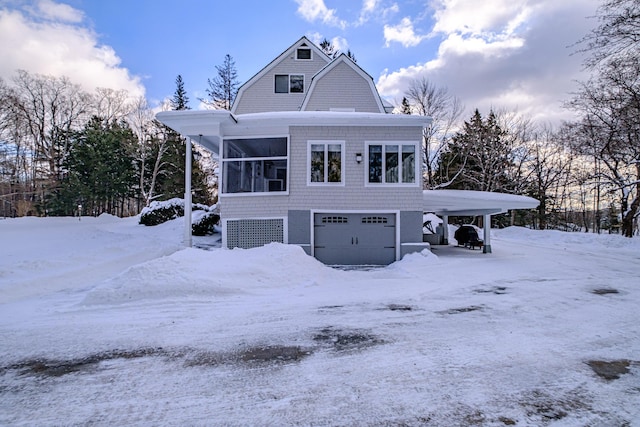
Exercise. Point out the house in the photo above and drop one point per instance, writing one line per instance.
(310, 156)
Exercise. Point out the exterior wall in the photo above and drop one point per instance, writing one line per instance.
(300, 229)
(410, 226)
(351, 196)
(342, 87)
(260, 96)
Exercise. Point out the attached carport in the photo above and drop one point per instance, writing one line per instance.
(446, 203)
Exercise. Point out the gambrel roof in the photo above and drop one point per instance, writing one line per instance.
(337, 84)
(333, 65)
(302, 42)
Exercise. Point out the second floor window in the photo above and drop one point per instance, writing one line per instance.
(391, 163)
(289, 83)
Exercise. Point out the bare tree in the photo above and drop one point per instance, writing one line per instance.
(609, 130)
(151, 148)
(426, 99)
(223, 88)
(617, 33)
(51, 108)
(111, 105)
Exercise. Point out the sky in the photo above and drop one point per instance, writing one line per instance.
(517, 55)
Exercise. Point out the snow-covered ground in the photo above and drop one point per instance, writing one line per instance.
(106, 322)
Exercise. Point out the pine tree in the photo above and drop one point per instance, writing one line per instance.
(223, 89)
(180, 101)
(170, 183)
(332, 52)
(99, 169)
(405, 108)
(477, 157)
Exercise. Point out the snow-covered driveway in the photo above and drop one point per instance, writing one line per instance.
(111, 323)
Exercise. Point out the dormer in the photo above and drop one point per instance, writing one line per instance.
(342, 86)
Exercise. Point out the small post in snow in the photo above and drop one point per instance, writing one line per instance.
(187, 195)
(79, 212)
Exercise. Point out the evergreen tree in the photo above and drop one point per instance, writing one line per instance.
(99, 170)
(180, 101)
(170, 182)
(224, 87)
(327, 47)
(405, 107)
(332, 52)
(477, 158)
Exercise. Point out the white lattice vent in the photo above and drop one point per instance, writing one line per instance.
(251, 233)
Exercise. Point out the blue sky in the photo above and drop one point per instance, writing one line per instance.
(508, 54)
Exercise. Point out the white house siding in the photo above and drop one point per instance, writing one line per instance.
(342, 87)
(260, 96)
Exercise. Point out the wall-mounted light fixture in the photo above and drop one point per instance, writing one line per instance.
(358, 157)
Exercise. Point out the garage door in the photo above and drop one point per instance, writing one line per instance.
(355, 239)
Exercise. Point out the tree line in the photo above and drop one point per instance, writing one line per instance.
(585, 173)
(61, 147)
(65, 151)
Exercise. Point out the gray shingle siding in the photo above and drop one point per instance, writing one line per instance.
(342, 87)
(352, 196)
(260, 96)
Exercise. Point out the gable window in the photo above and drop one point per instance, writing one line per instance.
(289, 83)
(254, 165)
(326, 159)
(303, 53)
(391, 163)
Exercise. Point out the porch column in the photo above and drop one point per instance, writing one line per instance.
(187, 194)
(445, 229)
(486, 248)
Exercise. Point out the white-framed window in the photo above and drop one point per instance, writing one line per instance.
(289, 83)
(303, 53)
(392, 163)
(255, 165)
(325, 162)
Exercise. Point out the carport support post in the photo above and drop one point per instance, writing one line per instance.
(445, 229)
(486, 247)
(187, 194)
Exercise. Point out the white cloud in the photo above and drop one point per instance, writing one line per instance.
(339, 43)
(58, 46)
(469, 17)
(375, 8)
(402, 33)
(59, 12)
(316, 10)
(506, 54)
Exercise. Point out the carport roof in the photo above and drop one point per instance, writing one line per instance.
(471, 203)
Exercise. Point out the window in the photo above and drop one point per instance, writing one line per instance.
(254, 165)
(391, 163)
(289, 83)
(325, 162)
(303, 53)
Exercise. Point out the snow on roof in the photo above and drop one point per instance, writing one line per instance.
(206, 127)
(467, 202)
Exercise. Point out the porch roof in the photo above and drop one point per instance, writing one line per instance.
(207, 127)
